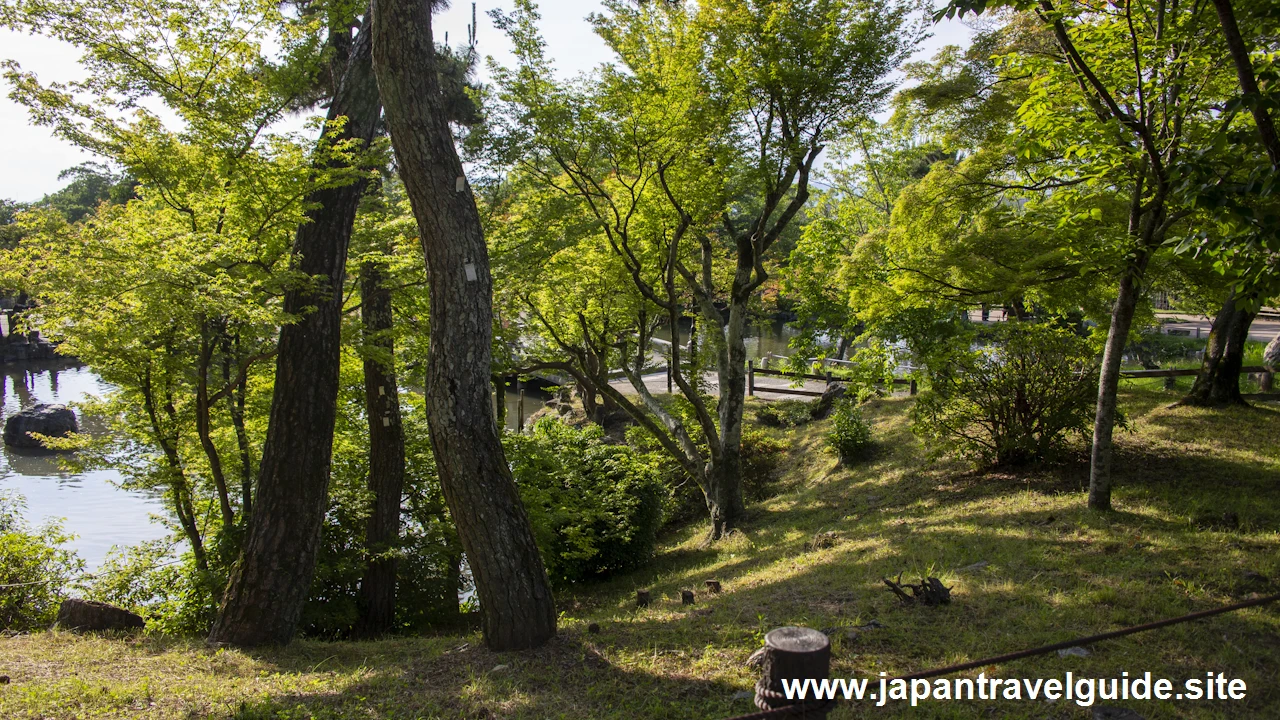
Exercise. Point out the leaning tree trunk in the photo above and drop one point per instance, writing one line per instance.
(1218, 383)
(1109, 384)
(386, 454)
(515, 597)
(270, 583)
(1248, 80)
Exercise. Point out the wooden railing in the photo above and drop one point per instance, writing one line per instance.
(752, 388)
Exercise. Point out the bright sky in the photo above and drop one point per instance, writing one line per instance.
(32, 157)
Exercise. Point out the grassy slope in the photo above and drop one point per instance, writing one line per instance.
(1054, 571)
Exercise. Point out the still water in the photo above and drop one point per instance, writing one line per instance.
(91, 505)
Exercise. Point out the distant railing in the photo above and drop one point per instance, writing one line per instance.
(829, 377)
(1185, 372)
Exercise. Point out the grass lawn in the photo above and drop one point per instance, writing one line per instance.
(1029, 565)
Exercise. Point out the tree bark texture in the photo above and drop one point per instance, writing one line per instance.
(386, 454)
(726, 472)
(515, 597)
(270, 583)
(1218, 383)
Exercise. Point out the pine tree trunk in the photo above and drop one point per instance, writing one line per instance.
(270, 583)
(515, 597)
(1218, 383)
(386, 454)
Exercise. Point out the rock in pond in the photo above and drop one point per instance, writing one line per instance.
(51, 420)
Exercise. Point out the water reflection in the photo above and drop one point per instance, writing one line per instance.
(95, 509)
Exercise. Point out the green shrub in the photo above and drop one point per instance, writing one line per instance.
(164, 587)
(595, 508)
(35, 569)
(1155, 349)
(785, 413)
(428, 553)
(850, 434)
(1013, 402)
(762, 454)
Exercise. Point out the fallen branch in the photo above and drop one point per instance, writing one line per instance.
(929, 592)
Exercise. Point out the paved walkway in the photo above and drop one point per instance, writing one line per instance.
(1262, 330)
(657, 384)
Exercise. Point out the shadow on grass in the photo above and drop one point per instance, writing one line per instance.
(1028, 563)
(567, 678)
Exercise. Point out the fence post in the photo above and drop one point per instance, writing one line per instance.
(792, 653)
(914, 389)
(751, 377)
(1264, 382)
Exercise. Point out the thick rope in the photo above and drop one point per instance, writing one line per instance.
(813, 706)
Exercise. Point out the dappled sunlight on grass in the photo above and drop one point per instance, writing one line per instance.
(1028, 564)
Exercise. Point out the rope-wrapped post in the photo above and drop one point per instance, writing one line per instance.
(792, 653)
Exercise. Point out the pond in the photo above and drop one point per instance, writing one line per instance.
(91, 504)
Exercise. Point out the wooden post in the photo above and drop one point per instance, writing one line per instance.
(792, 653)
(751, 377)
(828, 377)
(686, 597)
(914, 389)
(713, 585)
(520, 412)
(1264, 383)
(642, 598)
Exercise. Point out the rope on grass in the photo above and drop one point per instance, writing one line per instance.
(812, 706)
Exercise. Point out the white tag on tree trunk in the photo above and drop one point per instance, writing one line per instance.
(386, 422)
(382, 390)
(470, 268)
(461, 184)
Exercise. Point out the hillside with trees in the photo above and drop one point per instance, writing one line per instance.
(322, 255)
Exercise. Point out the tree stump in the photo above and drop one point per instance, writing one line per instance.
(713, 585)
(642, 598)
(686, 597)
(792, 653)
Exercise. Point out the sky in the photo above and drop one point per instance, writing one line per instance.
(32, 157)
